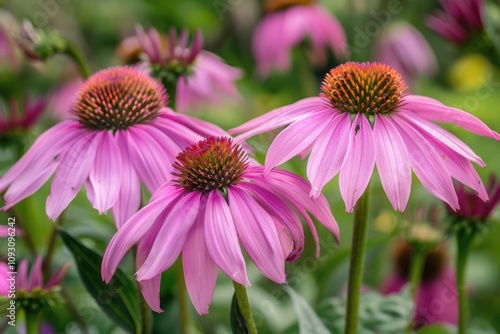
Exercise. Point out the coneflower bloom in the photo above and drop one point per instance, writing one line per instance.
(4, 276)
(472, 207)
(458, 21)
(13, 119)
(202, 76)
(363, 118)
(286, 24)
(121, 133)
(403, 48)
(438, 285)
(216, 201)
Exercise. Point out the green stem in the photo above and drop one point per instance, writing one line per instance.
(182, 300)
(47, 263)
(33, 322)
(147, 316)
(416, 269)
(74, 53)
(244, 305)
(357, 261)
(464, 240)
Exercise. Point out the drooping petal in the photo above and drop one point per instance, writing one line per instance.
(442, 113)
(328, 153)
(106, 173)
(58, 276)
(393, 162)
(134, 230)
(129, 197)
(278, 118)
(200, 127)
(171, 236)
(427, 164)
(200, 271)
(222, 240)
(71, 173)
(359, 162)
(36, 277)
(22, 275)
(296, 138)
(257, 232)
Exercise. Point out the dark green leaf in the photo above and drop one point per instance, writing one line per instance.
(238, 323)
(119, 300)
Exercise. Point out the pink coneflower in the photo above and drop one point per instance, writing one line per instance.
(15, 118)
(363, 118)
(289, 22)
(472, 207)
(32, 281)
(4, 276)
(458, 21)
(217, 200)
(202, 77)
(122, 133)
(403, 48)
(436, 300)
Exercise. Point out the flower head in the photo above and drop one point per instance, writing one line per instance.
(200, 76)
(458, 21)
(365, 118)
(286, 24)
(121, 133)
(216, 201)
(472, 208)
(13, 120)
(403, 48)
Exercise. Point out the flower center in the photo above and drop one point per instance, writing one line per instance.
(272, 6)
(117, 98)
(213, 163)
(368, 88)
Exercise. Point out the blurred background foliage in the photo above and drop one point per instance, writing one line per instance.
(98, 27)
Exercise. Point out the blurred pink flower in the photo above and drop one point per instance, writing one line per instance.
(216, 201)
(203, 77)
(363, 118)
(13, 119)
(471, 205)
(286, 25)
(27, 281)
(4, 276)
(61, 98)
(8, 56)
(122, 133)
(458, 21)
(403, 48)
(4, 231)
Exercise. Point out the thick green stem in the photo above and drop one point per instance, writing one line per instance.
(357, 262)
(147, 316)
(464, 240)
(33, 322)
(416, 268)
(244, 305)
(182, 300)
(75, 54)
(47, 262)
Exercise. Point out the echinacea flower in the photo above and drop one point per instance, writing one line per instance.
(13, 119)
(121, 134)
(216, 201)
(458, 21)
(472, 207)
(403, 48)
(436, 300)
(286, 24)
(363, 118)
(201, 76)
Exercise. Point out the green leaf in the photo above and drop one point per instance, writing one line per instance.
(119, 299)
(434, 330)
(309, 321)
(238, 323)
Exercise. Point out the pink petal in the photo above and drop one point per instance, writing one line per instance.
(393, 162)
(72, 171)
(222, 240)
(257, 232)
(106, 173)
(200, 127)
(171, 236)
(296, 138)
(427, 164)
(278, 118)
(441, 113)
(36, 277)
(129, 197)
(22, 276)
(58, 276)
(200, 271)
(359, 162)
(328, 153)
(134, 230)
(440, 134)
